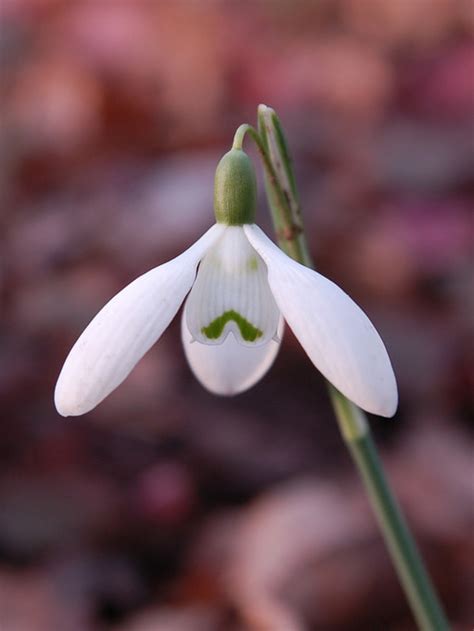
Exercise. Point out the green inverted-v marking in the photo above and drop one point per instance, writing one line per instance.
(248, 332)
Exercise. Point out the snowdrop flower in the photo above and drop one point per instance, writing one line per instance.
(232, 322)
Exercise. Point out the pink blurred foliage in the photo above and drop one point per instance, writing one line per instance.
(300, 550)
(443, 86)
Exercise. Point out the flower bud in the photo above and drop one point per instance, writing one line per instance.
(235, 189)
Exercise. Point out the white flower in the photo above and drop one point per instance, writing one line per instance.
(232, 324)
(233, 317)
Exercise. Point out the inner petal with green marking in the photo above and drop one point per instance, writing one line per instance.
(215, 329)
(231, 295)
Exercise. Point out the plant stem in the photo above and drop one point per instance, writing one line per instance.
(353, 424)
(239, 135)
(289, 230)
(400, 543)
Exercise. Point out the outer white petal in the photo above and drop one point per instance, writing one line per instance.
(123, 331)
(336, 334)
(231, 367)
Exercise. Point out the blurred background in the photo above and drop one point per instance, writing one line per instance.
(169, 509)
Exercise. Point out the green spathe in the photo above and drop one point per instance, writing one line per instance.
(235, 189)
(248, 331)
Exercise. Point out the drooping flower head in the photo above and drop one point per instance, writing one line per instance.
(240, 288)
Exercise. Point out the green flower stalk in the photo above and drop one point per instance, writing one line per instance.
(283, 201)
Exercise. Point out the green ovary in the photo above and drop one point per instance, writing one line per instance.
(248, 332)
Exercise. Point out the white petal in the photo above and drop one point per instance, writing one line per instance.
(231, 294)
(231, 367)
(123, 331)
(336, 334)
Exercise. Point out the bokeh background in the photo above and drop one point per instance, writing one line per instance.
(168, 509)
